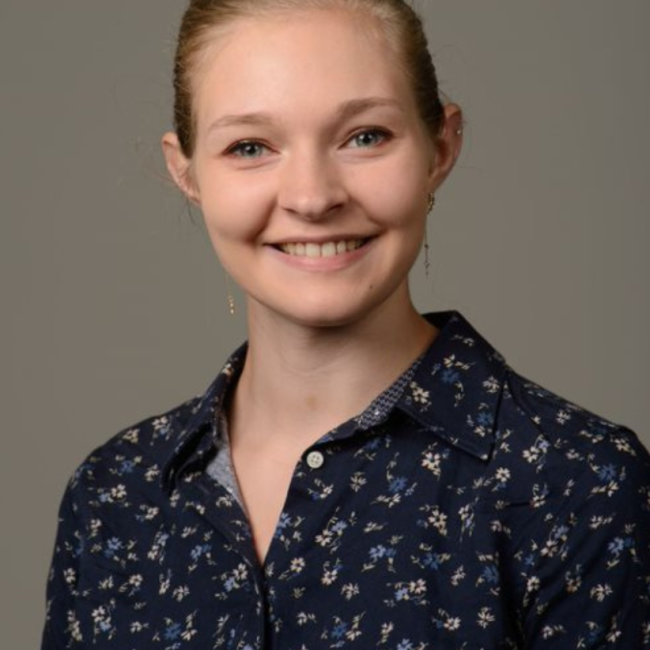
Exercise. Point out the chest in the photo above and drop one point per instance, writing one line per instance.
(374, 546)
(263, 480)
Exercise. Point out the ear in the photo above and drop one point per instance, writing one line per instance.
(179, 167)
(448, 146)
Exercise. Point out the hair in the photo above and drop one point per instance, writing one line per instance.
(204, 20)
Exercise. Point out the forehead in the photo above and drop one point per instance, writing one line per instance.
(305, 61)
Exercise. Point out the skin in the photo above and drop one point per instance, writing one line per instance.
(324, 337)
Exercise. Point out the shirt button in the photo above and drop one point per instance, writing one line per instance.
(315, 459)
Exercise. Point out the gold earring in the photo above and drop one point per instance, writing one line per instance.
(231, 300)
(427, 265)
(432, 201)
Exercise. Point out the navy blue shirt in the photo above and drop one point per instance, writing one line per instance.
(467, 507)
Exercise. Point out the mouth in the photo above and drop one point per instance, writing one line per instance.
(326, 249)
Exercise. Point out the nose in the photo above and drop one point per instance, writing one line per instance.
(311, 186)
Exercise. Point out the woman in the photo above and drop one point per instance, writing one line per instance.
(358, 474)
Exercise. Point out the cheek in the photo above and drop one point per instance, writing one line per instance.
(231, 217)
(400, 198)
(232, 206)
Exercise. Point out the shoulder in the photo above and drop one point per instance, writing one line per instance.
(579, 436)
(575, 508)
(573, 467)
(133, 457)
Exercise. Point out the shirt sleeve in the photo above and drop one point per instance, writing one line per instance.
(589, 586)
(62, 629)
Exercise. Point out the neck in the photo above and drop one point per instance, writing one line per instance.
(299, 382)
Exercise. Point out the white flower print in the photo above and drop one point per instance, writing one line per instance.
(420, 395)
(485, 617)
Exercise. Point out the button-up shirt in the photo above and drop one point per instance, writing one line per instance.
(465, 508)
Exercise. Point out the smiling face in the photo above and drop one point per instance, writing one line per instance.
(311, 167)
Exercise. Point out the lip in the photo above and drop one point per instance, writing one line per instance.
(333, 263)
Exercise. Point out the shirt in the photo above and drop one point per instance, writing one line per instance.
(466, 508)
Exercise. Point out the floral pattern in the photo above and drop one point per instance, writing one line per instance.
(466, 508)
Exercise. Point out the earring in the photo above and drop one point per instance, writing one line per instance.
(427, 265)
(231, 300)
(432, 201)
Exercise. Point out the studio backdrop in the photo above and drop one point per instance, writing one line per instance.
(114, 305)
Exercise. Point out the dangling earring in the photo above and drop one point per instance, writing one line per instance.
(231, 300)
(432, 201)
(427, 265)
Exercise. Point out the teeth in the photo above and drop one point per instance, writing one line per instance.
(312, 250)
(329, 249)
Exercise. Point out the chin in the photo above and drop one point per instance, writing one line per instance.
(323, 313)
(324, 318)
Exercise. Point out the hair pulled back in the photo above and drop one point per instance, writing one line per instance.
(399, 23)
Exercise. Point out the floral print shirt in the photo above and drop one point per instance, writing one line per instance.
(466, 508)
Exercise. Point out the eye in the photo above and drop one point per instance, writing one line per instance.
(247, 149)
(369, 138)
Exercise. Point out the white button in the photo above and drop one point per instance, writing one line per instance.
(315, 459)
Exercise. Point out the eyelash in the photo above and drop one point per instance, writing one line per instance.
(239, 146)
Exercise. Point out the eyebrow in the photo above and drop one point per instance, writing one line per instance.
(344, 112)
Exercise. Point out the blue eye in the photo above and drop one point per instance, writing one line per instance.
(370, 137)
(252, 149)
(246, 149)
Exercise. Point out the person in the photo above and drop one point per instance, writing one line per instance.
(358, 474)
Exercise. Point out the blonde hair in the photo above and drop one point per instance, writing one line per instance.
(395, 19)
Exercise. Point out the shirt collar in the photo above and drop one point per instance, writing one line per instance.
(455, 393)
(198, 433)
(457, 388)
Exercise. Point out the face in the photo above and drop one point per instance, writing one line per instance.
(311, 167)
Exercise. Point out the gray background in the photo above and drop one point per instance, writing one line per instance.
(114, 303)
